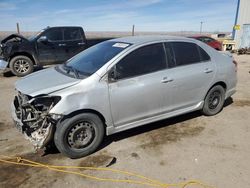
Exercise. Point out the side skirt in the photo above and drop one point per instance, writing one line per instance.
(112, 130)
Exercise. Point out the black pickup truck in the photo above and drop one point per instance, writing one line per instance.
(50, 46)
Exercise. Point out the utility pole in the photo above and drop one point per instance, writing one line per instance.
(201, 27)
(17, 28)
(133, 30)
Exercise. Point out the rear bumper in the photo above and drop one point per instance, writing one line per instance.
(230, 92)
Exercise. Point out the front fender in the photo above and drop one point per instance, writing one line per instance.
(93, 96)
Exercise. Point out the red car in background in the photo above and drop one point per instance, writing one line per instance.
(209, 41)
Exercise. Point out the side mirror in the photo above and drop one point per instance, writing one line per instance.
(43, 39)
(112, 76)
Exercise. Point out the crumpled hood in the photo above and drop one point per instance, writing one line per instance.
(44, 82)
(13, 36)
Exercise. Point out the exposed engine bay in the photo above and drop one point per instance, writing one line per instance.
(15, 37)
(32, 118)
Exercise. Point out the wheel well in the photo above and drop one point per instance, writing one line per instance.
(86, 111)
(24, 54)
(223, 84)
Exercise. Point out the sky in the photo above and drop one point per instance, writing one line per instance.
(119, 15)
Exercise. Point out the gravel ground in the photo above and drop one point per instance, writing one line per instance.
(214, 150)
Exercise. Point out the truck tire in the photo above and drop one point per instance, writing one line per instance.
(79, 135)
(21, 65)
(214, 101)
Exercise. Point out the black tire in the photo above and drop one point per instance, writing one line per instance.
(214, 101)
(74, 131)
(21, 65)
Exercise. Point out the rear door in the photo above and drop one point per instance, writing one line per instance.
(189, 75)
(74, 41)
(136, 93)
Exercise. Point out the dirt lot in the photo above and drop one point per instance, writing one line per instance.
(214, 149)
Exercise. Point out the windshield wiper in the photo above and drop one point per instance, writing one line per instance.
(71, 69)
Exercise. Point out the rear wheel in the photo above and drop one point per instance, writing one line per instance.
(80, 135)
(214, 101)
(21, 65)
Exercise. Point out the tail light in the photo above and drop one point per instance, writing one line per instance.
(236, 65)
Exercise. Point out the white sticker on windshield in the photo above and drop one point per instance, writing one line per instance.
(120, 45)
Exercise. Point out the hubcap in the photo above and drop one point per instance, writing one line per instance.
(81, 135)
(21, 66)
(214, 99)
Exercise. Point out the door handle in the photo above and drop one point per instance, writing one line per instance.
(81, 43)
(208, 71)
(166, 80)
(61, 44)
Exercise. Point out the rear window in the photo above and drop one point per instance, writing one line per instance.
(185, 53)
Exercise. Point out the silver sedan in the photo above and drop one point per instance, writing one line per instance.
(121, 84)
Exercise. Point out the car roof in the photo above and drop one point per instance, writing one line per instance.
(137, 40)
(199, 36)
(62, 27)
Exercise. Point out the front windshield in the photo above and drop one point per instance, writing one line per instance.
(35, 35)
(92, 59)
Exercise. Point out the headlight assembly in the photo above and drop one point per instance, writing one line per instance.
(45, 103)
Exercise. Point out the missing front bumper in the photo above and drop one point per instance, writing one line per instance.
(39, 137)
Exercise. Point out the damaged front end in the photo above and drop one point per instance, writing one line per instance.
(32, 117)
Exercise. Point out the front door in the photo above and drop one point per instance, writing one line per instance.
(136, 93)
(53, 50)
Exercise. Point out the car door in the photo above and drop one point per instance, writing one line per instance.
(188, 76)
(74, 41)
(136, 92)
(52, 50)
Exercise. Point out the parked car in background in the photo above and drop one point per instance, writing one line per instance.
(118, 85)
(209, 41)
(49, 46)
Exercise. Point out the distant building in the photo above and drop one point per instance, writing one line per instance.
(241, 32)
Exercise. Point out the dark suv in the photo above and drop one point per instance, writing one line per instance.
(50, 46)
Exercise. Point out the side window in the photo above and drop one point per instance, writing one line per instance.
(207, 39)
(144, 60)
(202, 39)
(204, 55)
(185, 53)
(54, 34)
(72, 34)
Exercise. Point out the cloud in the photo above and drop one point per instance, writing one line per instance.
(7, 6)
(113, 15)
(143, 3)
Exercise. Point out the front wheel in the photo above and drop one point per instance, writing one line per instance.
(21, 65)
(214, 101)
(80, 135)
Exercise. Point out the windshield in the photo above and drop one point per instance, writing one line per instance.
(35, 35)
(92, 59)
